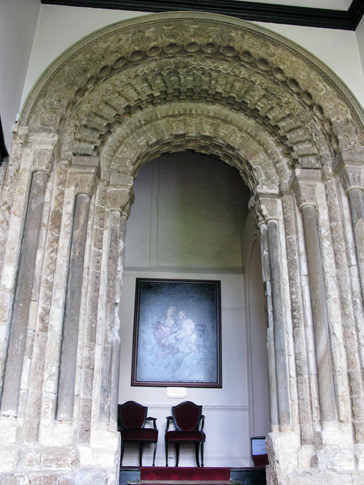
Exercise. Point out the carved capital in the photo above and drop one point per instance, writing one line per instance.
(349, 167)
(120, 194)
(20, 134)
(82, 174)
(351, 177)
(42, 160)
(303, 183)
(263, 209)
(83, 181)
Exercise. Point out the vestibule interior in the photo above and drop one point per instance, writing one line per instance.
(190, 220)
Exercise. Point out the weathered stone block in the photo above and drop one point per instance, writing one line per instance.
(9, 458)
(59, 457)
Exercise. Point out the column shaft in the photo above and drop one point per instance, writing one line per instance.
(319, 315)
(273, 397)
(111, 334)
(67, 375)
(356, 201)
(279, 330)
(23, 294)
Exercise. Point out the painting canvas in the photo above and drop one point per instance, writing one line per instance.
(177, 333)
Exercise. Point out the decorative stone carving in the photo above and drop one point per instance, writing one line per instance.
(119, 194)
(303, 183)
(118, 99)
(281, 75)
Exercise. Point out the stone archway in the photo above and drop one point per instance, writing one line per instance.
(115, 100)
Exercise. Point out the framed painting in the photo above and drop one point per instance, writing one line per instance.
(177, 333)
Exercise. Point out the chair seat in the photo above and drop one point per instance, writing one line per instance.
(195, 436)
(140, 434)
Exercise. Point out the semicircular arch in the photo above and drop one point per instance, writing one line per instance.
(211, 130)
(189, 59)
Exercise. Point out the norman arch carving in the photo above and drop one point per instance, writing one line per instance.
(114, 101)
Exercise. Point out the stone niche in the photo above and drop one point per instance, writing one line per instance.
(114, 101)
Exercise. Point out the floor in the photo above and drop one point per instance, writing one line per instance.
(242, 476)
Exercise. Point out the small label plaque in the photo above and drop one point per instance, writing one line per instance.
(176, 392)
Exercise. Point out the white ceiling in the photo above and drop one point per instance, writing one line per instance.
(331, 4)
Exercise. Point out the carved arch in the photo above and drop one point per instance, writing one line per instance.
(156, 61)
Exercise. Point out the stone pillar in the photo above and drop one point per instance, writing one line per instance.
(279, 386)
(273, 401)
(351, 324)
(303, 345)
(304, 185)
(119, 198)
(42, 151)
(83, 177)
(351, 175)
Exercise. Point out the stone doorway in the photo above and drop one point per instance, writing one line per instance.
(190, 220)
(114, 101)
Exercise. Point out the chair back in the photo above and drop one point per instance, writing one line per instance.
(132, 415)
(186, 416)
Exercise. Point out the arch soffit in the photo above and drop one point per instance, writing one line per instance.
(110, 76)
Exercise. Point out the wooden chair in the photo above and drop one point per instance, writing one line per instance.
(132, 418)
(189, 422)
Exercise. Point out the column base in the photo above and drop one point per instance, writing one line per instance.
(292, 464)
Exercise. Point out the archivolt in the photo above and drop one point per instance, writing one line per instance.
(123, 70)
(238, 141)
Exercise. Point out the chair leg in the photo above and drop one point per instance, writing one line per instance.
(121, 452)
(202, 445)
(141, 446)
(154, 452)
(166, 448)
(197, 449)
(177, 453)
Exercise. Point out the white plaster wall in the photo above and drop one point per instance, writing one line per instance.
(256, 329)
(18, 22)
(226, 409)
(360, 40)
(168, 191)
(183, 218)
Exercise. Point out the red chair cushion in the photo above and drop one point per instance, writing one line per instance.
(140, 434)
(179, 436)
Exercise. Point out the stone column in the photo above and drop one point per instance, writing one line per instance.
(351, 175)
(302, 337)
(273, 401)
(305, 187)
(83, 177)
(119, 198)
(42, 152)
(271, 262)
